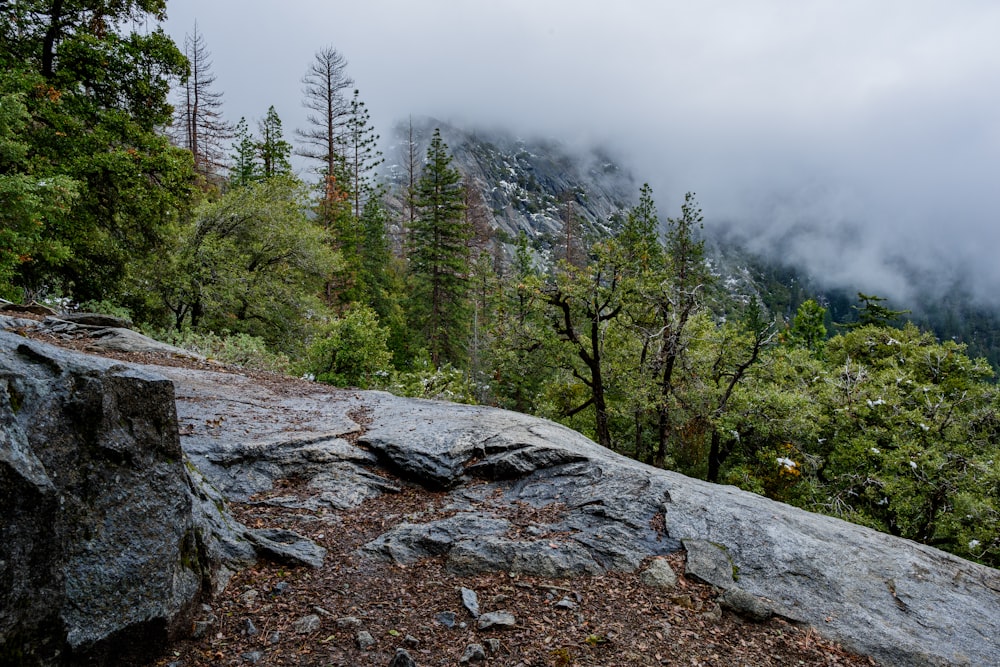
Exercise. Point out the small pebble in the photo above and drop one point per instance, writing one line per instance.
(445, 618)
(365, 640)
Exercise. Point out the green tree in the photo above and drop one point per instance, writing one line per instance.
(583, 301)
(95, 110)
(517, 354)
(28, 203)
(275, 153)
(910, 448)
(808, 328)
(677, 298)
(361, 155)
(250, 263)
(244, 160)
(352, 351)
(439, 258)
(873, 311)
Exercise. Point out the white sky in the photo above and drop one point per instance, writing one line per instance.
(874, 123)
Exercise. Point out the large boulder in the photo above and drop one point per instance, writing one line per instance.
(102, 557)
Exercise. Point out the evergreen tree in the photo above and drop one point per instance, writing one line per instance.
(872, 311)
(439, 257)
(678, 298)
(361, 155)
(275, 152)
(244, 161)
(808, 329)
(518, 334)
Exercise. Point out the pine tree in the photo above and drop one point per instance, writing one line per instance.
(808, 329)
(325, 82)
(678, 298)
(439, 256)
(244, 166)
(275, 152)
(361, 155)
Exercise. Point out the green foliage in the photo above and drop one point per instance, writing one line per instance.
(444, 383)
(872, 311)
(29, 203)
(808, 329)
(275, 153)
(237, 349)
(352, 351)
(244, 161)
(94, 113)
(251, 263)
(105, 308)
(439, 257)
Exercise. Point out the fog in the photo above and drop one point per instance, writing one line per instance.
(842, 135)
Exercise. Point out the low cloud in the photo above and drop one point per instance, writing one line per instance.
(847, 137)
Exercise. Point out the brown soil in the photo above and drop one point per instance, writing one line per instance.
(615, 620)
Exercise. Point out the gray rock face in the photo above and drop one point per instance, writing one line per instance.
(902, 603)
(98, 543)
(588, 509)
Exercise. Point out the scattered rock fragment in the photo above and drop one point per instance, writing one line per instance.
(364, 640)
(248, 629)
(445, 618)
(565, 603)
(709, 563)
(402, 659)
(497, 619)
(201, 628)
(471, 601)
(473, 653)
(306, 624)
(348, 622)
(287, 546)
(746, 605)
(659, 574)
(253, 657)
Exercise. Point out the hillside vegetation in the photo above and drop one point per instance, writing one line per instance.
(484, 271)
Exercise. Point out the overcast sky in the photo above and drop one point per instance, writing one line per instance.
(873, 124)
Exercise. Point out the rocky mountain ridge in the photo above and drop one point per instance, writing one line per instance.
(526, 185)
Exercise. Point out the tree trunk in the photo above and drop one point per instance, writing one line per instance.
(49, 42)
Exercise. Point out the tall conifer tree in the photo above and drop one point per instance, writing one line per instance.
(275, 152)
(439, 256)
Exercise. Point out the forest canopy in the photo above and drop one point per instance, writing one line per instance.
(123, 188)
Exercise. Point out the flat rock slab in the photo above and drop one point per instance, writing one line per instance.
(900, 602)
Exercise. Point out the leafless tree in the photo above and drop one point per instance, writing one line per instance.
(200, 126)
(325, 83)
